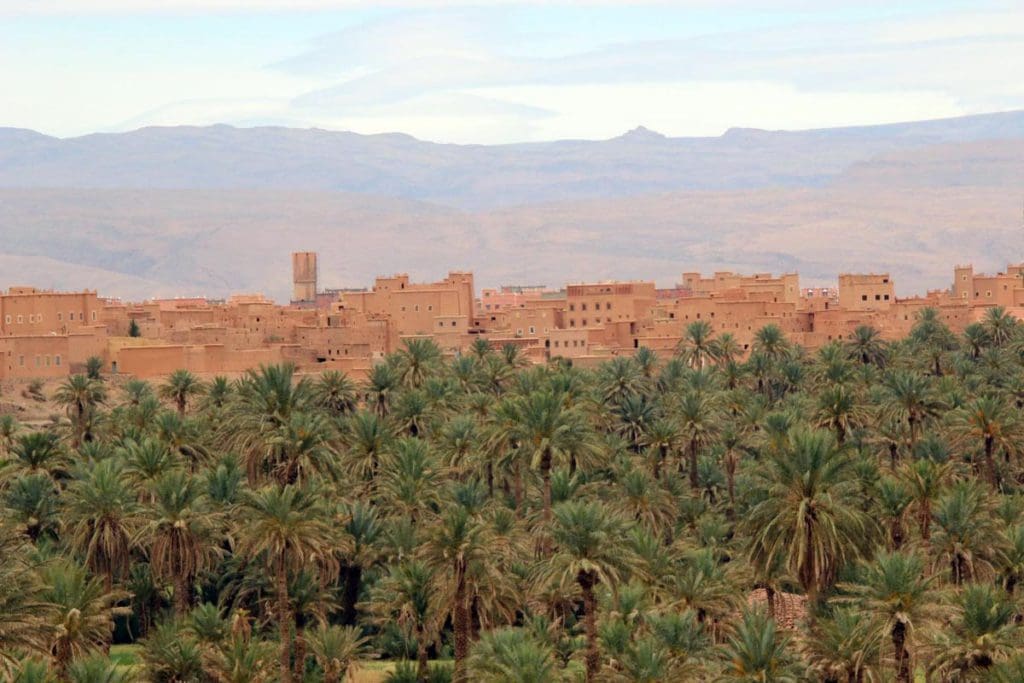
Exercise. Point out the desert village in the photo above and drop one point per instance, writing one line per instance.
(48, 334)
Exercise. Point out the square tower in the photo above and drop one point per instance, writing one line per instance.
(304, 275)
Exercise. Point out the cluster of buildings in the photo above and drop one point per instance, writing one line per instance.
(51, 334)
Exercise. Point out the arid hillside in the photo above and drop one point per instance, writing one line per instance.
(207, 211)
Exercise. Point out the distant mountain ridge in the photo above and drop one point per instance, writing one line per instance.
(469, 176)
(214, 210)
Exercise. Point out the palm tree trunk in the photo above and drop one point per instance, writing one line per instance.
(593, 655)
(422, 671)
(300, 654)
(353, 581)
(899, 641)
(460, 624)
(693, 464)
(990, 465)
(284, 627)
(517, 487)
(181, 596)
(545, 474)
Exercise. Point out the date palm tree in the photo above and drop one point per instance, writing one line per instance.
(417, 360)
(697, 417)
(512, 655)
(181, 387)
(756, 652)
(549, 433)
(337, 393)
(866, 345)
(407, 596)
(898, 593)
(287, 529)
(26, 616)
(586, 556)
(698, 347)
(337, 650)
(808, 512)
(84, 611)
(101, 517)
(456, 545)
(81, 396)
(989, 421)
(984, 632)
(181, 533)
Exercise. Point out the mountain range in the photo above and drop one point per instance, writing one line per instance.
(213, 210)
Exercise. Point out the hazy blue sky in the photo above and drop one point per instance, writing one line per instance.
(504, 71)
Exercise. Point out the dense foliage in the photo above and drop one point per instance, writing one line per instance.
(852, 514)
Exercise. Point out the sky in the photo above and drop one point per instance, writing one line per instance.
(499, 72)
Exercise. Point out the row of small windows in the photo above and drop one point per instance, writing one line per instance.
(575, 343)
(41, 360)
(416, 307)
(38, 318)
(878, 297)
(597, 306)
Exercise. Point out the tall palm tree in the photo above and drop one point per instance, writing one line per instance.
(286, 528)
(381, 385)
(25, 614)
(895, 589)
(698, 346)
(407, 596)
(38, 452)
(867, 346)
(81, 396)
(912, 399)
(181, 533)
(984, 632)
(363, 531)
(84, 611)
(302, 447)
(181, 386)
(418, 358)
(990, 421)
(32, 502)
(549, 433)
(808, 512)
(586, 556)
(101, 518)
(1000, 326)
(967, 536)
(337, 393)
(839, 410)
(456, 544)
(696, 415)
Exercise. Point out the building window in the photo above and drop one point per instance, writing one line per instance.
(597, 306)
(93, 316)
(7, 319)
(863, 297)
(886, 298)
(430, 307)
(533, 330)
(47, 360)
(60, 316)
(440, 323)
(583, 307)
(416, 308)
(453, 323)
(608, 306)
(572, 323)
(519, 332)
(988, 293)
(31, 318)
(38, 361)
(21, 361)
(584, 322)
(572, 307)
(878, 297)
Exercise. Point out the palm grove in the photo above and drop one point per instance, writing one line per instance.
(475, 519)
